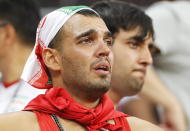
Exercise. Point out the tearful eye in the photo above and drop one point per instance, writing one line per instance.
(85, 41)
(109, 42)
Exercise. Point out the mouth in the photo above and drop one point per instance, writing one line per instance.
(140, 71)
(102, 68)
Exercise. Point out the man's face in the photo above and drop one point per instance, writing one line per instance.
(86, 55)
(4, 39)
(1, 37)
(131, 58)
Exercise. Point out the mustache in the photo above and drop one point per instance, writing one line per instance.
(107, 59)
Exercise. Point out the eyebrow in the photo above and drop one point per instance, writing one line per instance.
(87, 33)
(92, 31)
(137, 38)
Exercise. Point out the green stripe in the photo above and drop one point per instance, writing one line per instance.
(69, 9)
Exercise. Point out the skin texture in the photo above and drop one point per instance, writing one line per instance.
(131, 59)
(85, 48)
(90, 51)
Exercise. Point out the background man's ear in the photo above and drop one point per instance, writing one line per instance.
(8, 34)
(51, 59)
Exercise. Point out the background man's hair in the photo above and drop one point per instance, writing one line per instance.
(24, 15)
(60, 35)
(122, 15)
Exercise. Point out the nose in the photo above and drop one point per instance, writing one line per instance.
(103, 50)
(146, 57)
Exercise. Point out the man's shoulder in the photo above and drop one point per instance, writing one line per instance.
(137, 124)
(18, 121)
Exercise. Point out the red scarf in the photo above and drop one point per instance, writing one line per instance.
(57, 101)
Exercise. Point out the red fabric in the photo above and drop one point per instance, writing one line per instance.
(6, 84)
(46, 122)
(41, 79)
(57, 101)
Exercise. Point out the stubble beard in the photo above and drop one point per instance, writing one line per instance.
(83, 82)
(94, 87)
(126, 86)
(87, 86)
(135, 85)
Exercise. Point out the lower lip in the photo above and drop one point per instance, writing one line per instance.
(102, 72)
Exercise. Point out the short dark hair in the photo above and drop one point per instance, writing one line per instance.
(122, 15)
(24, 15)
(59, 37)
(87, 12)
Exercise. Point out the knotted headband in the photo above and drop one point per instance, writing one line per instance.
(35, 70)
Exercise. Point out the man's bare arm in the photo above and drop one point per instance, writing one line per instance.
(137, 124)
(18, 121)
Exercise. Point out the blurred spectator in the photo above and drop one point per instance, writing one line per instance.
(18, 23)
(171, 21)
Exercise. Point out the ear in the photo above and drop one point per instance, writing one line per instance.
(8, 34)
(51, 58)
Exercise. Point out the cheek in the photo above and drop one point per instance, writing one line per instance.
(83, 56)
(121, 54)
(2, 46)
(125, 59)
(79, 61)
(131, 56)
(111, 57)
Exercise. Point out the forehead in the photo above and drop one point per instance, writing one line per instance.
(78, 24)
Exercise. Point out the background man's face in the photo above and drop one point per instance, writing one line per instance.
(2, 38)
(86, 55)
(131, 59)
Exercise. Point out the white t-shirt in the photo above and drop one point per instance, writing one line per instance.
(171, 22)
(16, 97)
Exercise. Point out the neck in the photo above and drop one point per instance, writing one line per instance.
(13, 64)
(86, 99)
(86, 102)
(114, 96)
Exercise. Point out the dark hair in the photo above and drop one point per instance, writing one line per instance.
(122, 15)
(60, 33)
(86, 12)
(24, 15)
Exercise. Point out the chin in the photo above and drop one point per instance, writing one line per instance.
(135, 91)
(98, 86)
(102, 88)
(135, 88)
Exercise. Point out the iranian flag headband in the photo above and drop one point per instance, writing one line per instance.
(35, 72)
